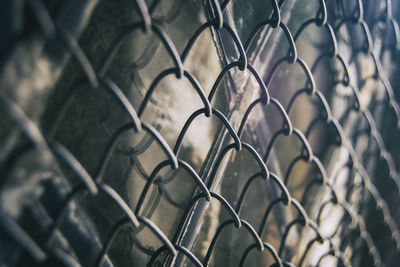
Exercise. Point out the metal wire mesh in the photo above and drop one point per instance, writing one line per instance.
(62, 203)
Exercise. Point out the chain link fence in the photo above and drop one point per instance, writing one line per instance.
(205, 133)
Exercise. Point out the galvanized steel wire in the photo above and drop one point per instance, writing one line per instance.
(92, 185)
